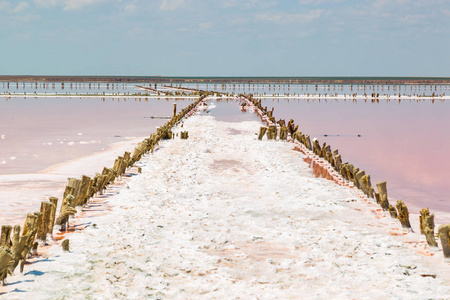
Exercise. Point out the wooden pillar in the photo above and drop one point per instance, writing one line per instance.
(65, 245)
(43, 226)
(382, 191)
(444, 231)
(174, 110)
(262, 132)
(393, 212)
(427, 226)
(5, 239)
(403, 214)
(51, 223)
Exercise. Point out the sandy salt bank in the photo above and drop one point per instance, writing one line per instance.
(222, 215)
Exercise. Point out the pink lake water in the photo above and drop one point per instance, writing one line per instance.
(42, 141)
(46, 140)
(405, 143)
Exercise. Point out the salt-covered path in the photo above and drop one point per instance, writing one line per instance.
(224, 216)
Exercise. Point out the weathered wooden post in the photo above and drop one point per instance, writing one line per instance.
(427, 226)
(392, 212)
(283, 133)
(66, 211)
(5, 239)
(403, 214)
(316, 147)
(43, 226)
(5, 259)
(262, 132)
(272, 132)
(382, 191)
(444, 236)
(51, 224)
(65, 245)
(174, 110)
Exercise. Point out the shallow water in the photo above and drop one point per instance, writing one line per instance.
(43, 141)
(404, 143)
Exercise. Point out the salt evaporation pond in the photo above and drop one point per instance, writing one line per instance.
(44, 141)
(402, 142)
(405, 143)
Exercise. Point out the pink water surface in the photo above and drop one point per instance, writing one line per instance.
(37, 134)
(405, 143)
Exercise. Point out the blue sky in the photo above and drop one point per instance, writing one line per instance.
(228, 37)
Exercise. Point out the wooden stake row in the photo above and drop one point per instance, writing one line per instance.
(15, 245)
(352, 174)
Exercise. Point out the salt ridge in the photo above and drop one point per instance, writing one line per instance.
(223, 215)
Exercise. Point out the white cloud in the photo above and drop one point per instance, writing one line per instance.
(205, 25)
(47, 3)
(171, 4)
(21, 7)
(67, 4)
(8, 7)
(79, 4)
(130, 8)
(249, 3)
(290, 18)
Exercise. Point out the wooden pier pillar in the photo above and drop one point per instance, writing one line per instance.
(382, 191)
(403, 214)
(427, 226)
(262, 132)
(5, 239)
(444, 235)
(43, 226)
(65, 245)
(51, 223)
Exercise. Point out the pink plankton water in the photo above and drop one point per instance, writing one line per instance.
(45, 140)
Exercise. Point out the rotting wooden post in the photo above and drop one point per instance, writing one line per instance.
(262, 132)
(392, 212)
(66, 211)
(65, 245)
(367, 183)
(382, 191)
(174, 110)
(308, 142)
(358, 176)
(34, 250)
(316, 147)
(403, 214)
(283, 133)
(427, 226)
(139, 170)
(5, 239)
(444, 231)
(46, 209)
(5, 258)
(272, 132)
(17, 248)
(51, 223)
(84, 190)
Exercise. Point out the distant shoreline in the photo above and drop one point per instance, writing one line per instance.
(232, 80)
(303, 96)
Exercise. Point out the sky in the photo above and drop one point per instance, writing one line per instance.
(225, 37)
